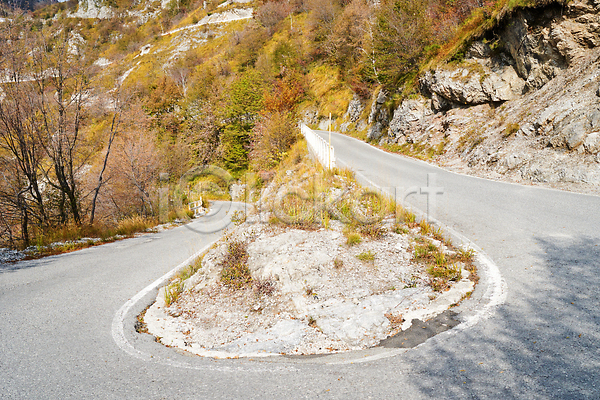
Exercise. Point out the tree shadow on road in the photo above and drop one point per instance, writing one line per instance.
(543, 343)
(21, 265)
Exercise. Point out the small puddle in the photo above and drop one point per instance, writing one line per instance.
(420, 331)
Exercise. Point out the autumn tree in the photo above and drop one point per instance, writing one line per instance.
(271, 13)
(349, 41)
(61, 77)
(321, 20)
(136, 170)
(204, 131)
(118, 101)
(276, 130)
(403, 30)
(21, 152)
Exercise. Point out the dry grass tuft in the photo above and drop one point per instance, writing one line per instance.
(235, 273)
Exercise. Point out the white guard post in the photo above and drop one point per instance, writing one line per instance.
(196, 207)
(322, 150)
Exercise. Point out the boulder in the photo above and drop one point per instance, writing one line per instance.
(355, 109)
(576, 138)
(471, 84)
(537, 60)
(375, 132)
(512, 161)
(378, 112)
(479, 49)
(440, 103)
(408, 116)
(592, 143)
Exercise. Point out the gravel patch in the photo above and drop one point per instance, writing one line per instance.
(8, 255)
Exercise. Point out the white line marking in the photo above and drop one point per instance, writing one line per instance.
(418, 161)
(118, 330)
(495, 291)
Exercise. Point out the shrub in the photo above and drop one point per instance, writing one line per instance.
(235, 272)
(264, 286)
(510, 130)
(271, 13)
(272, 138)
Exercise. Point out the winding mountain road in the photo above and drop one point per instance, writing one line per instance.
(66, 322)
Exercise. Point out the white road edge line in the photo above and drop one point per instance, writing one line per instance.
(118, 323)
(458, 173)
(496, 289)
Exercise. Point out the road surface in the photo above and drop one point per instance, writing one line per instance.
(60, 317)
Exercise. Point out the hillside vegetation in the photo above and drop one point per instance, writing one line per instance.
(105, 104)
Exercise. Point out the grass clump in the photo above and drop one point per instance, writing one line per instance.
(438, 234)
(373, 231)
(446, 272)
(338, 263)
(353, 238)
(400, 230)
(425, 227)
(176, 287)
(296, 210)
(465, 255)
(367, 256)
(190, 270)
(510, 130)
(235, 273)
(129, 226)
(406, 216)
(426, 252)
(173, 291)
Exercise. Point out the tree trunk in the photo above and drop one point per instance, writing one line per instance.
(111, 138)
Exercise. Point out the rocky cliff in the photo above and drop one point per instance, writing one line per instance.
(523, 105)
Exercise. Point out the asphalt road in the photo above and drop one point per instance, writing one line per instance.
(66, 322)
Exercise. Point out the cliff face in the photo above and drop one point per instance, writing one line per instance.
(523, 106)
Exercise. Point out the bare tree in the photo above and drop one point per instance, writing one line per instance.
(136, 164)
(204, 131)
(62, 84)
(181, 75)
(20, 149)
(117, 106)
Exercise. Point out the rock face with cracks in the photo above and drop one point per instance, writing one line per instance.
(522, 107)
